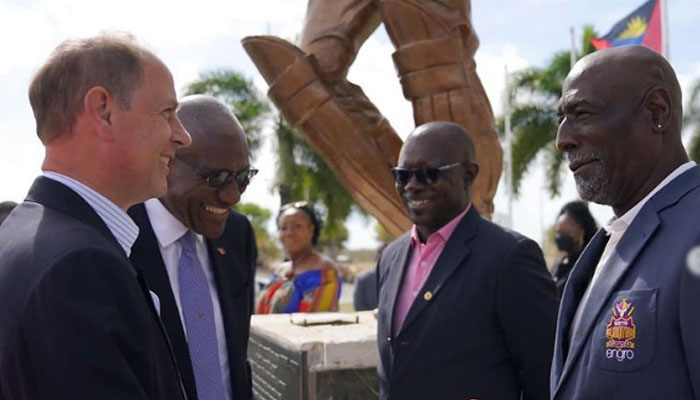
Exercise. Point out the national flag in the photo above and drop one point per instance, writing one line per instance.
(642, 26)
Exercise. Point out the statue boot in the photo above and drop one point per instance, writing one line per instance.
(350, 134)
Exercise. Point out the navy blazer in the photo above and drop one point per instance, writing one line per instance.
(233, 257)
(639, 334)
(481, 327)
(77, 319)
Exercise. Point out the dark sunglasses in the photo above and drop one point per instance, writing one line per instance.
(216, 179)
(427, 175)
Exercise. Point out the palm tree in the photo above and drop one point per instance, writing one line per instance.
(238, 92)
(268, 250)
(536, 92)
(303, 175)
(691, 118)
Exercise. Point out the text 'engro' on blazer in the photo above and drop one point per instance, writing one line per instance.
(639, 335)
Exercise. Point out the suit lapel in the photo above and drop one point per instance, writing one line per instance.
(631, 244)
(146, 255)
(450, 260)
(230, 279)
(394, 279)
(575, 287)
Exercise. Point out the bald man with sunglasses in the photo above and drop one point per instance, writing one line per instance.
(199, 254)
(467, 309)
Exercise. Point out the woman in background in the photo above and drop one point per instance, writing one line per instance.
(309, 281)
(575, 227)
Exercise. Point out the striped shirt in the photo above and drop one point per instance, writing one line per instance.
(118, 222)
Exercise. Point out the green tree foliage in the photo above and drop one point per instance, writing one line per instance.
(268, 250)
(239, 93)
(534, 96)
(691, 119)
(303, 175)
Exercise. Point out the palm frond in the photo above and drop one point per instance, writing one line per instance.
(533, 128)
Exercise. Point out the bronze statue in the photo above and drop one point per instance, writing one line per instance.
(435, 61)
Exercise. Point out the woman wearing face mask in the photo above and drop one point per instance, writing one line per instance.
(574, 229)
(309, 281)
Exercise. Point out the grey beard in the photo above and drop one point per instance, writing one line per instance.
(596, 187)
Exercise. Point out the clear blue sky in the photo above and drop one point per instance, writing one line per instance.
(192, 37)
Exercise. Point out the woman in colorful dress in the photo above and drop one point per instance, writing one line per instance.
(309, 281)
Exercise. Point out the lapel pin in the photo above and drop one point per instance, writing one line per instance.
(428, 295)
(221, 251)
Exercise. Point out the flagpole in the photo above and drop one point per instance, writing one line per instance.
(664, 29)
(573, 56)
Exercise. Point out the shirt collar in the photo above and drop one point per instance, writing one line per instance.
(167, 228)
(621, 223)
(117, 221)
(445, 232)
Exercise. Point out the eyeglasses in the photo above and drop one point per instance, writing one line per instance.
(216, 179)
(427, 175)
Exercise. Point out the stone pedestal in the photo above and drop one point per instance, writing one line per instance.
(314, 356)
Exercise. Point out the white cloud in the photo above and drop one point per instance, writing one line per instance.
(688, 79)
(193, 37)
(374, 72)
(491, 70)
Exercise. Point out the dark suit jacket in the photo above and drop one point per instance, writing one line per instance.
(487, 329)
(77, 321)
(649, 270)
(232, 258)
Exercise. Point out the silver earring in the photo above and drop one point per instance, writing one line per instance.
(658, 126)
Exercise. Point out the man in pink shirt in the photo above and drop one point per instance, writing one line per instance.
(467, 309)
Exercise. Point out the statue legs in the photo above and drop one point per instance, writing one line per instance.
(436, 45)
(353, 141)
(435, 58)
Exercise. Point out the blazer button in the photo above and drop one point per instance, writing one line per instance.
(388, 338)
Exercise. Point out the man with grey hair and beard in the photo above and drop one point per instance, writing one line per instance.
(628, 325)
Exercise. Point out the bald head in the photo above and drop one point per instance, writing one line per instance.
(634, 71)
(447, 138)
(208, 121)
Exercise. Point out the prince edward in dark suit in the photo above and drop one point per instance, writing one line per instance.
(466, 308)
(199, 255)
(78, 321)
(629, 325)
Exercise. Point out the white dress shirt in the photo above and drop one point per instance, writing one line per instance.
(168, 231)
(616, 228)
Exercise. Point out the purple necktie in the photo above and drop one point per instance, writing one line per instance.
(197, 309)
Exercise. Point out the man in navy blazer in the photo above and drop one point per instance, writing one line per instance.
(78, 320)
(466, 308)
(628, 325)
(205, 181)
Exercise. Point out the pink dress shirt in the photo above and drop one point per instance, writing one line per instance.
(422, 260)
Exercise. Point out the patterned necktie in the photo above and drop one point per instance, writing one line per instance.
(198, 312)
